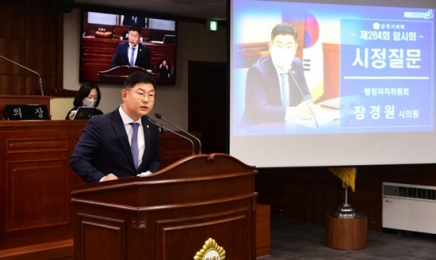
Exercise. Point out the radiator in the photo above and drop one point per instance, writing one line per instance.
(409, 207)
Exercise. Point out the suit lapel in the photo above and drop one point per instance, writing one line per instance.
(138, 57)
(120, 132)
(126, 51)
(147, 137)
(272, 74)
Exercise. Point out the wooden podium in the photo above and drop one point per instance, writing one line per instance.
(120, 73)
(171, 213)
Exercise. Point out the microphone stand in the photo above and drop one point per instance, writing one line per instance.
(302, 94)
(186, 132)
(26, 68)
(174, 132)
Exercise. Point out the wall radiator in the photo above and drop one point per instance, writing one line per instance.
(409, 207)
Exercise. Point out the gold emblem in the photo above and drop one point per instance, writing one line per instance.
(210, 251)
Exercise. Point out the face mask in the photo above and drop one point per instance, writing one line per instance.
(282, 58)
(89, 102)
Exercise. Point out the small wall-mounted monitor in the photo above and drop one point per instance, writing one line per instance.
(106, 38)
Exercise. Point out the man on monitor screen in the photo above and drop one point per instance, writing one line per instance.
(132, 52)
(276, 88)
(132, 19)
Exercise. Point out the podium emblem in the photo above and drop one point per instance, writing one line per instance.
(210, 251)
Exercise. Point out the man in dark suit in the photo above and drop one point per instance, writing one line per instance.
(276, 88)
(132, 19)
(132, 52)
(107, 147)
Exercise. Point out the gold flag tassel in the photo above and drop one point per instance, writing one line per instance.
(346, 174)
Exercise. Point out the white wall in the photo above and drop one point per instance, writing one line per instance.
(194, 43)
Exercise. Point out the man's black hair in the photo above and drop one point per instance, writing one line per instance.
(138, 77)
(284, 29)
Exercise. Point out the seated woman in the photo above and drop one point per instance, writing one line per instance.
(87, 96)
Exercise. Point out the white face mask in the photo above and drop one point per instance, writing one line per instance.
(89, 102)
(282, 58)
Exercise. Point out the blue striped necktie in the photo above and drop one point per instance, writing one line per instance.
(132, 57)
(134, 144)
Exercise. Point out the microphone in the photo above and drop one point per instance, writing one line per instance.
(198, 140)
(304, 97)
(26, 68)
(154, 123)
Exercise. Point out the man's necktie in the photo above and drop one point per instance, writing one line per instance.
(284, 84)
(134, 144)
(132, 57)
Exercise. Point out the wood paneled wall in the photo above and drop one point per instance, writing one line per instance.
(32, 35)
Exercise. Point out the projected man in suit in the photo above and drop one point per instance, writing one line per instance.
(132, 52)
(132, 19)
(276, 88)
(106, 148)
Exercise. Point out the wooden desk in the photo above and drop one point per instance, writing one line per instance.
(23, 100)
(36, 180)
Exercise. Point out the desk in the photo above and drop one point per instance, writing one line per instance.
(23, 100)
(332, 117)
(36, 180)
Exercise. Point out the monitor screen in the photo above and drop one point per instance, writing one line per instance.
(106, 47)
(319, 83)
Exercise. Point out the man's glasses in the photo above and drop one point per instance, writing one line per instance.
(140, 94)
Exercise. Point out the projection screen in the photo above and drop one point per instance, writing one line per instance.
(356, 86)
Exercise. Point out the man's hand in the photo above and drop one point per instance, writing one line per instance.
(110, 177)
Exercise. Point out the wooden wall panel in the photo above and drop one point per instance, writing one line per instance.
(45, 182)
(14, 85)
(39, 54)
(41, 27)
(31, 35)
(32, 83)
(36, 181)
(12, 49)
(11, 26)
(181, 232)
(94, 228)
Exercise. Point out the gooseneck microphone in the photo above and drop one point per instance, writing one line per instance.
(304, 97)
(154, 123)
(186, 132)
(26, 68)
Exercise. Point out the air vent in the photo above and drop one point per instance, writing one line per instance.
(409, 207)
(410, 192)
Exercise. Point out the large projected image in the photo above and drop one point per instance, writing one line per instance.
(319, 84)
(357, 69)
